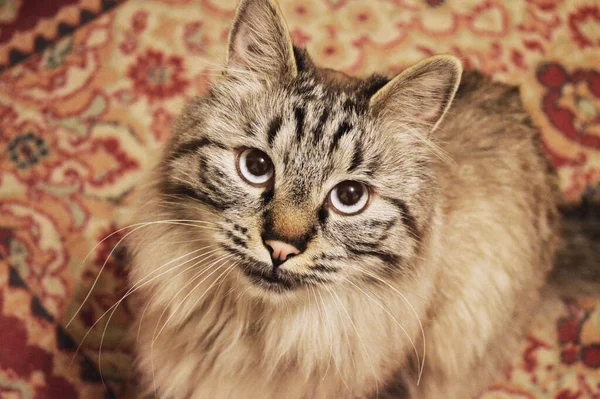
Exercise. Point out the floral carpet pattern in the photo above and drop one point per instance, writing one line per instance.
(84, 120)
(28, 26)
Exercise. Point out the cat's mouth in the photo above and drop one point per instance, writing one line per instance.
(270, 280)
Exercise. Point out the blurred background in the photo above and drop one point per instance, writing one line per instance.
(89, 88)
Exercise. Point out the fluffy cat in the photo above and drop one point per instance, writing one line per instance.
(315, 235)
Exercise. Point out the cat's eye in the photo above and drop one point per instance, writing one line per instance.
(349, 197)
(255, 167)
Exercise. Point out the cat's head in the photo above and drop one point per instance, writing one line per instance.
(307, 176)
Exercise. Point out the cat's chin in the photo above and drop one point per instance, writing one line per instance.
(261, 285)
(269, 282)
(269, 294)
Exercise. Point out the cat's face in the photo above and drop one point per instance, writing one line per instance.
(307, 179)
(304, 166)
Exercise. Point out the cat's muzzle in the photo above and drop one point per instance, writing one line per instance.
(269, 277)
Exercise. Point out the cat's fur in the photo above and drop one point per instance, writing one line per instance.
(460, 233)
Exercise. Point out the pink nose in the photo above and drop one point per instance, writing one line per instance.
(281, 251)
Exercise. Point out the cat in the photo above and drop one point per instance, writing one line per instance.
(308, 234)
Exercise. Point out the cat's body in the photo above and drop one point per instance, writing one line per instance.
(460, 237)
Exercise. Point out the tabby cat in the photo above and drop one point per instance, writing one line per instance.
(316, 235)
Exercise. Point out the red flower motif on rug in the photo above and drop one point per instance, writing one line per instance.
(157, 75)
(583, 23)
(572, 102)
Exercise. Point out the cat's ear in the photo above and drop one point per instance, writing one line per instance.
(259, 41)
(420, 95)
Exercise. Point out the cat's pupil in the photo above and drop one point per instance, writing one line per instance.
(258, 163)
(350, 192)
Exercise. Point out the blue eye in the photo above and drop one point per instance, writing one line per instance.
(255, 167)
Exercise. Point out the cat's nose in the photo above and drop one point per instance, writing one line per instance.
(281, 251)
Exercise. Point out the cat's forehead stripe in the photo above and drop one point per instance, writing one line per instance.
(344, 128)
(350, 105)
(299, 115)
(321, 124)
(273, 129)
(357, 157)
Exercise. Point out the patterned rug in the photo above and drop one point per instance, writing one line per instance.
(29, 26)
(82, 121)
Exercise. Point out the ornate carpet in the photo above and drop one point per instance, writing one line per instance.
(82, 121)
(29, 26)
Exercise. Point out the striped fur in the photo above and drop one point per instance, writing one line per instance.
(458, 235)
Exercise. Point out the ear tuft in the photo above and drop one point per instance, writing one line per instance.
(421, 95)
(259, 41)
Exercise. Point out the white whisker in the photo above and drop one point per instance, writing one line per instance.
(110, 317)
(414, 312)
(322, 317)
(157, 335)
(192, 279)
(134, 288)
(329, 335)
(359, 338)
(226, 272)
(137, 227)
(393, 318)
